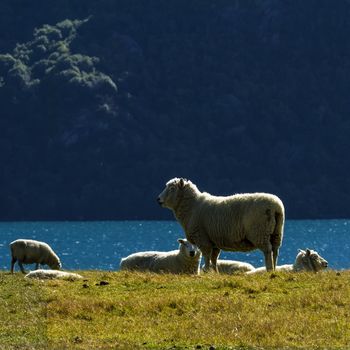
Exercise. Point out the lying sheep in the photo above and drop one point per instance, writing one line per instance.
(308, 260)
(53, 274)
(232, 266)
(241, 222)
(28, 251)
(184, 260)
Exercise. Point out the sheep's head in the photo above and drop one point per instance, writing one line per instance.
(312, 261)
(56, 265)
(172, 193)
(188, 249)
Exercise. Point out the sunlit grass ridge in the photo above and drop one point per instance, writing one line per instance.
(143, 310)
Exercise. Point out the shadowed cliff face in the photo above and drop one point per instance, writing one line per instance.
(102, 104)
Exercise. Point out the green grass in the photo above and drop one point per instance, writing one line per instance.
(149, 311)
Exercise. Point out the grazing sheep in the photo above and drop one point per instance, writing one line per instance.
(28, 251)
(53, 274)
(184, 260)
(308, 260)
(230, 267)
(240, 222)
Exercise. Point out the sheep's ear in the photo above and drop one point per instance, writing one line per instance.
(180, 240)
(308, 252)
(182, 182)
(301, 251)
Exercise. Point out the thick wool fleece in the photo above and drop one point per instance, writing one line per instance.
(240, 222)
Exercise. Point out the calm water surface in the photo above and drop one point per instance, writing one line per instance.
(101, 244)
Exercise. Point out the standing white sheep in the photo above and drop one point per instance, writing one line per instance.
(28, 251)
(186, 259)
(240, 222)
(306, 260)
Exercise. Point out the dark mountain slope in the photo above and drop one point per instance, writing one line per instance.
(103, 102)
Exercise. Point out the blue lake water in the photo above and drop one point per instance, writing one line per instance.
(101, 244)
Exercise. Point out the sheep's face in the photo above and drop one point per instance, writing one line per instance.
(171, 194)
(57, 265)
(314, 260)
(188, 249)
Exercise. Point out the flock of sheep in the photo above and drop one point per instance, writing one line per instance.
(241, 222)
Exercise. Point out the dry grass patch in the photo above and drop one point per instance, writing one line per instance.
(22, 313)
(143, 310)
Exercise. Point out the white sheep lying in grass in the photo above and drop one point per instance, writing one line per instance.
(306, 260)
(241, 222)
(53, 274)
(28, 251)
(186, 259)
(233, 266)
(230, 267)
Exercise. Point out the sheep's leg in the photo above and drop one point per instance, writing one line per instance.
(13, 261)
(206, 252)
(21, 267)
(268, 259)
(275, 241)
(275, 251)
(206, 267)
(214, 257)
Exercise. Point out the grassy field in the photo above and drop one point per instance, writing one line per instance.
(123, 310)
